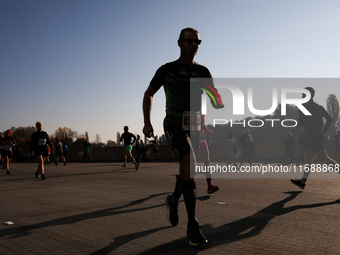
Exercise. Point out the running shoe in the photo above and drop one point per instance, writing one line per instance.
(195, 236)
(8, 172)
(298, 183)
(43, 177)
(212, 189)
(172, 211)
(36, 175)
(124, 165)
(136, 166)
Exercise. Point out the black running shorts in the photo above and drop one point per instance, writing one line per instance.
(7, 154)
(40, 152)
(177, 137)
(315, 143)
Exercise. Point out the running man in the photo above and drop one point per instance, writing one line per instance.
(129, 139)
(315, 134)
(155, 149)
(232, 149)
(175, 77)
(59, 152)
(86, 152)
(245, 146)
(47, 160)
(204, 154)
(140, 148)
(7, 143)
(39, 142)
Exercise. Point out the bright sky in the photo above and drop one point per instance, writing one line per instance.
(86, 64)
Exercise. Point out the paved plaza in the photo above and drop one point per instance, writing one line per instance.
(102, 208)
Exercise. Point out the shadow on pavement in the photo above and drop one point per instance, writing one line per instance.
(26, 230)
(121, 240)
(240, 229)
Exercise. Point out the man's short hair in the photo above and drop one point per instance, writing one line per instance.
(38, 123)
(126, 127)
(312, 91)
(187, 29)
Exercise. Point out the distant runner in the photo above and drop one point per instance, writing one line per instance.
(129, 140)
(7, 144)
(39, 142)
(315, 134)
(140, 148)
(204, 154)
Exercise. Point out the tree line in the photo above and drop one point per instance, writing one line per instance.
(73, 139)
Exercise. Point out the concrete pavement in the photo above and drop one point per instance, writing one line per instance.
(102, 208)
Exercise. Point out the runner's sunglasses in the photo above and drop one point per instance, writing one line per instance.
(190, 41)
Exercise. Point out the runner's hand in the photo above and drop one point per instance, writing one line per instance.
(148, 130)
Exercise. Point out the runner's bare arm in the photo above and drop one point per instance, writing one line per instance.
(147, 106)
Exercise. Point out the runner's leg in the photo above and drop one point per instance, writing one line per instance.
(308, 161)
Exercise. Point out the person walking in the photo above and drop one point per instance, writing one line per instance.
(302, 143)
(204, 153)
(232, 149)
(155, 148)
(129, 140)
(7, 143)
(246, 145)
(315, 133)
(289, 142)
(183, 105)
(86, 152)
(38, 148)
(140, 148)
(59, 152)
(65, 151)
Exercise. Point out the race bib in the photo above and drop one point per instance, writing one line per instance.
(191, 121)
(42, 141)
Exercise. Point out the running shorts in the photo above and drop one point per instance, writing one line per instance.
(7, 154)
(315, 143)
(128, 147)
(59, 153)
(41, 152)
(177, 137)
